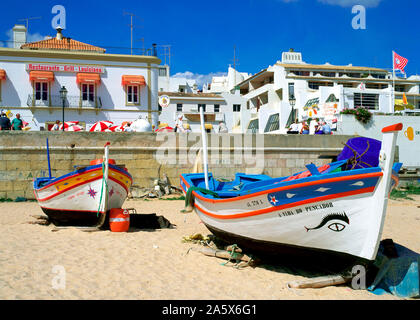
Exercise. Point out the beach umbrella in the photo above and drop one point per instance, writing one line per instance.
(74, 128)
(115, 129)
(68, 124)
(101, 126)
(165, 129)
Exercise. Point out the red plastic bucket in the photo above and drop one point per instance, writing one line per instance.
(119, 220)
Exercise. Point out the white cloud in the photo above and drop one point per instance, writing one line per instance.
(350, 3)
(201, 79)
(30, 37)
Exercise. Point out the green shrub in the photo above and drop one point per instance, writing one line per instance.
(360, 113)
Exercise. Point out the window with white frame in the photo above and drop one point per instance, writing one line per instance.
(133, 96)
(88, 92)
(41, 91)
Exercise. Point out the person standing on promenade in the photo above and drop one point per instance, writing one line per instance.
(56, 126)
(128, 128)
(318, 129)
(294, 128)
(179, 124)
(222, 127)
(326, 128)
(305, 128)
(17, 123)
(4, 122)
(312, 126)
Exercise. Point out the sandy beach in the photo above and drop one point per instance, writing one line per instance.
(152, 264)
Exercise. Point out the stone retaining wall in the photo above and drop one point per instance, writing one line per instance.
(23, 155)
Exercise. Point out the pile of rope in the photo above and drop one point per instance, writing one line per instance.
(232, 253)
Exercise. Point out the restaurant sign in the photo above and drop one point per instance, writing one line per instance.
(64, 68)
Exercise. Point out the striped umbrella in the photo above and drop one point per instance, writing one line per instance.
(115, 129)
(165, 129)
(101, 126)
(74, 128)
(67, 124)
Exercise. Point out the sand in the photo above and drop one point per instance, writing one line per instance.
(37, 263)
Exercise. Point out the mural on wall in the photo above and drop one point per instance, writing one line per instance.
(327, 110)
(311, 108)
(409, 133)
(331, 107)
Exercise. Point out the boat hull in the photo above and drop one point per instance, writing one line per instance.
(332, 215)
(81, 197)
(333, 208)
(284, 253)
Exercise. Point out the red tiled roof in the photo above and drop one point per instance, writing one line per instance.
(67, 44)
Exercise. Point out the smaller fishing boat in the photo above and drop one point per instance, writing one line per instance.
(335, 211)
(83, 197)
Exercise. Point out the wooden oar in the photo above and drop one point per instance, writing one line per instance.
(319, 282)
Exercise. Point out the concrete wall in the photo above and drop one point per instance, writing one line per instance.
(148, 156)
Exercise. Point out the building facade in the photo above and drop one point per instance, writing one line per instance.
(99, 86)
(224, 107)
(168, 83)
(292, 89)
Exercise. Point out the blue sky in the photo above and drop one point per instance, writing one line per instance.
(202, 34)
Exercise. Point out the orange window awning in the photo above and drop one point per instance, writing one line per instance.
(41, 76)
(88, 78)
(133, 80)
(2, 74)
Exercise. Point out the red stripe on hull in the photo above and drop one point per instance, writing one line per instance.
(285, 206)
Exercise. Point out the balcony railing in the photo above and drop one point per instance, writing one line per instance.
(70, 102)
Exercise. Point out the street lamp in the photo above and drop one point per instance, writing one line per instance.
(63, 95)
(292, 101)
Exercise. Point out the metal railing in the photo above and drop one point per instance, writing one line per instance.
(70, 101)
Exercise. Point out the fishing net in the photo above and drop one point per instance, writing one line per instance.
(360, 153)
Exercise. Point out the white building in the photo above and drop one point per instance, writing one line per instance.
(319, 91)
(224, 107)
(166, 83)
(226, 83)
(99, 86)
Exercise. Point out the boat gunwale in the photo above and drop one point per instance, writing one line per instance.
(284, 206)
(80, 172)
(318, 180)
(75, 186)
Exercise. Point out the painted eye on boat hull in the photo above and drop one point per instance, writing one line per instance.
(337, 227)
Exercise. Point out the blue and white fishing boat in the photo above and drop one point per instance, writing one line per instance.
(337, 209)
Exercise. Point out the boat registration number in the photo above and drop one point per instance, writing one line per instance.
(254, 203)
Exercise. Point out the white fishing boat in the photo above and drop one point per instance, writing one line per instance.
(334, 210)
(84, 196)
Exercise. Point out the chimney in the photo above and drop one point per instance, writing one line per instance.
(59, 35)
(19, 36)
